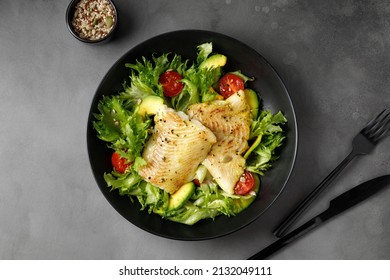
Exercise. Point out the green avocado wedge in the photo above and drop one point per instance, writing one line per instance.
(150, 105)
(214, 61)
(181, 196)
(253, 101)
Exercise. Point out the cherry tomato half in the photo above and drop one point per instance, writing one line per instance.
(196, 182)
(119, 163)
(245, 184)
(170, 81)
(230, 84)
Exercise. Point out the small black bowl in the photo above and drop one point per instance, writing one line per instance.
(69, 17)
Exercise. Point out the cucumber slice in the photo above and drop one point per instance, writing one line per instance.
(181, 196)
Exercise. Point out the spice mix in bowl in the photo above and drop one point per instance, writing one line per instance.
(91, 21)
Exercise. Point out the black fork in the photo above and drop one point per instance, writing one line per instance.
(363, 143)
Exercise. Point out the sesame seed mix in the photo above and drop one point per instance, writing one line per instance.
(93, 19)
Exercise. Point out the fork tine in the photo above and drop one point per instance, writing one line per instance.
(378, 127)
(382, 131)
(373, 122)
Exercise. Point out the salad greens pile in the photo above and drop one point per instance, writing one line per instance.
(126, 132)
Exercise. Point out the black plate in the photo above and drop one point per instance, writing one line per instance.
(274, 95)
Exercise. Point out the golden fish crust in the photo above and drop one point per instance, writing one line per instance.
(230, 121)
(175, 150)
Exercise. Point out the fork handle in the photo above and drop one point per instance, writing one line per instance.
(281, 229)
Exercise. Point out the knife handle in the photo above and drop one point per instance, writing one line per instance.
(304, 204)
(287, 239)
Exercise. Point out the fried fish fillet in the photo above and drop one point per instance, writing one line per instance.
(230, 121)
(175, 150)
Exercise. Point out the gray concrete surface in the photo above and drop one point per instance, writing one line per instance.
(333, 56)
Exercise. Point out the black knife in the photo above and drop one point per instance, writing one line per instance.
(336, 206)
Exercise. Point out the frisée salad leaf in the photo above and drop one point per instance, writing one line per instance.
(125, 130)
(267, 135)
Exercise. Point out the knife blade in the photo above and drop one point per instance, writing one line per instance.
(337, 206)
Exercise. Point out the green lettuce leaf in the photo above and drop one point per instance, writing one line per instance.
(204, 51)
(244, 77)
(199, 82)
(131, 184)
(266, 135)
(207, 202)
(126, 131)
(145, 75)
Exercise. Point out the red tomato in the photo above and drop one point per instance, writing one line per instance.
(245, 184)
(170, 81)
(119, 163)
(230, 84)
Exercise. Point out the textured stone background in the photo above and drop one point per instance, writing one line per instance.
(333, 56)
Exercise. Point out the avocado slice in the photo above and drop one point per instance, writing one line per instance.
(150, 104)
(181, 196)
(253, 101)
(214, 61)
